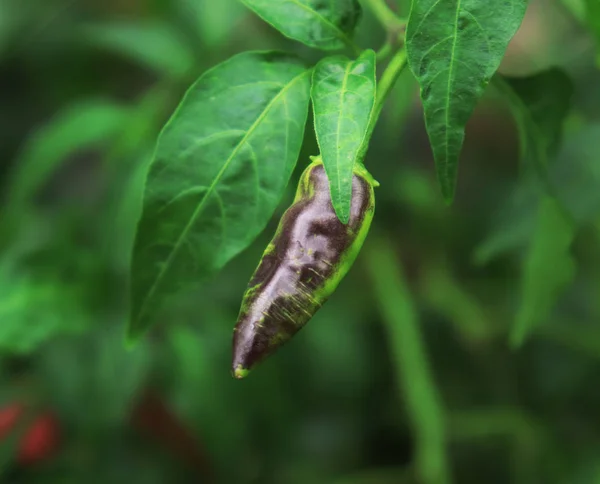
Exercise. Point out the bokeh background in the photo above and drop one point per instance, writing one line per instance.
(405, 376)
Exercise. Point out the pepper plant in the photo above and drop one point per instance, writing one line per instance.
(224, 159)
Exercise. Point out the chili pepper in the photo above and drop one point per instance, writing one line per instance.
(302, 266)
(9, 417)
(40, 438)
(40, 441)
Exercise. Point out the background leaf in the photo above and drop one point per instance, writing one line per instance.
(539, 105)
(156, 45)
(593, 17)
(548, 268)
(33, 308)
(323, 25)
(454, 47)
(212, 25)
(221, 165)
(343, 95)
(101, 396)
(81, 125)
(576, 174)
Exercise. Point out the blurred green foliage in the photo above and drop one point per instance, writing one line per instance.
(406, 375)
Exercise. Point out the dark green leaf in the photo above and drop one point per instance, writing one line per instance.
(454, 47)
(221, 165)
(539, 104)
(156, 45)
(548, 268)
(323, 24)
(343, 95)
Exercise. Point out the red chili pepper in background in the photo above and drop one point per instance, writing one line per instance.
(8, 418)
(39, 440)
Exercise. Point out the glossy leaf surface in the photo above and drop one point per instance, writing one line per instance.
(454, 47)
(326, 25)
(221, 165)
(343, 95)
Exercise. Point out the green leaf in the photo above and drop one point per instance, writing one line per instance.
(81, 125)
(321, 24)
(221, 165)
(157, 45)
(548, 269)
(10, 18)
(512, 225)
(454, 47)
(93, 378)
(34, 307)
(540, 105)
(593, 16)
(213, 26)
(343, 96)
(575, 175)
(577, 8)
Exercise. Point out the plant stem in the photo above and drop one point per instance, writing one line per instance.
(384, 86)
(388, 79)
(385, 15)
(385, 51)
(415, 381)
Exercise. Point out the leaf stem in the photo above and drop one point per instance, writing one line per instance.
(385, 15)
(388, 79)
(384, 51)
(415, 381)
(384, 86)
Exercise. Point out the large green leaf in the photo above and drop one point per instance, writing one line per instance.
(548, 268)
(539, 104)
(157, 45)
(327, 25)
(343, 96)
(221, 165)
(454, 47)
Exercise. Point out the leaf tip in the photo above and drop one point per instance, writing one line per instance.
(343, 214)
(448, 194)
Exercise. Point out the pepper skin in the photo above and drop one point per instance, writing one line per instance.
(302, 266)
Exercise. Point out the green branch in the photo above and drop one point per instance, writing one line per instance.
(415, 381)
(385, 15)
(384, 87)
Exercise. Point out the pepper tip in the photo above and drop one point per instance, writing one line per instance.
(240, 372)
